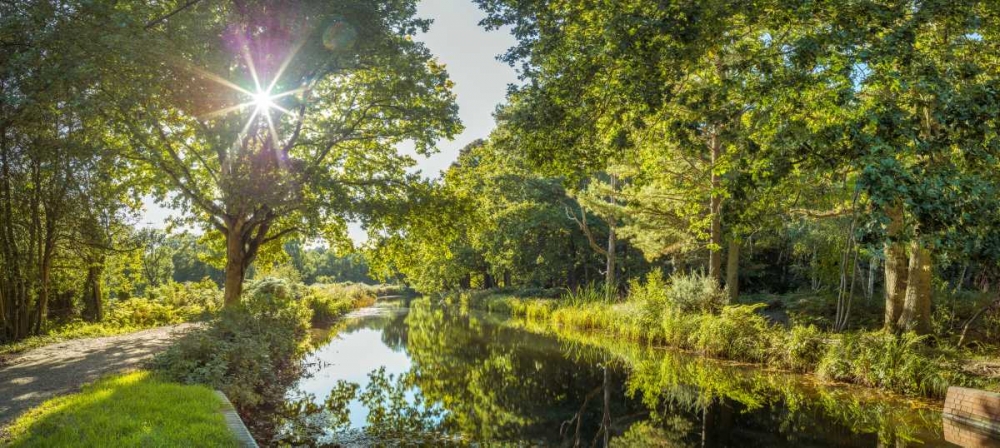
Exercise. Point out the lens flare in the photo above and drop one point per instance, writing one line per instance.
(263, 101)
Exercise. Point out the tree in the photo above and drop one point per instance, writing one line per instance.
(330, 90)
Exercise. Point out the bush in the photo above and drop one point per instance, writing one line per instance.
(803, 348)
(881, 359)
(738, 332)
(252, 351)
(329, 302)
(205, 294)
(694, 293)
(650, 297)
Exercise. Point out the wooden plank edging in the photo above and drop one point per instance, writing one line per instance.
(235, 423)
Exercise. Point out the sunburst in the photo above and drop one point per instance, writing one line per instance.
(261, 101)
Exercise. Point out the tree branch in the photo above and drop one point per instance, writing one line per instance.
(162, 19)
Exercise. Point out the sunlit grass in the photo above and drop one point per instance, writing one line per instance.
(741, 333)
(134, 409)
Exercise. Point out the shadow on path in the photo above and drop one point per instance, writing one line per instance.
(37, 375)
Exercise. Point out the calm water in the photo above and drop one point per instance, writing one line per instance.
(423, 376)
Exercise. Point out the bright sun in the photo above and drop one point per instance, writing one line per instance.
(263, 101)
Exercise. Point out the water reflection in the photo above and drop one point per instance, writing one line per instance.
(424, 376)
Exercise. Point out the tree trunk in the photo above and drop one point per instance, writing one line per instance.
(916, 314)
(610, 277)
(488, 281)
(715, 211)
(43, 294)
(235, 265)
(93, 307)
(733, 270)
(895, 269)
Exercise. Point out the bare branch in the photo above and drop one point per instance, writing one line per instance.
(582, 222)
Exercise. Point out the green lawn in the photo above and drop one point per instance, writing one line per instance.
(133, 409)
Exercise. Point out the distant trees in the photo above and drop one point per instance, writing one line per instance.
(725, 122)
(492, 221)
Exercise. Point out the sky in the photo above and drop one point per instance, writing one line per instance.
(469, 53)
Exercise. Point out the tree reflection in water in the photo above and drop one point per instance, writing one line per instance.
(478, 379)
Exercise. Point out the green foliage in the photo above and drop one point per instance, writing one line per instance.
(204, 294)
(738, 332)
(694, 293)
(134, 409)
(900, 363)
(330, 302)
(167, 304)
(587, 294)
(803, 347)
(143, 313)
(251, 352)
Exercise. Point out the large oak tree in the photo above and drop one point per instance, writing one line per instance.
(267, 118)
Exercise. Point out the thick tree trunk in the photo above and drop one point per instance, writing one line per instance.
(733, 270)
(235, 266)
(916, 314)
(895, 269)
(715, 211)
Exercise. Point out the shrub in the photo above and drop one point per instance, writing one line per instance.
(694, 293)
(881, 359)
(252, 351)
(205, 294)
(738, 332)
(145, 313)
(650, 297)
(803, 348)
(329, 302)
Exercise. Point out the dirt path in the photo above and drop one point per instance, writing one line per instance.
(37, 375)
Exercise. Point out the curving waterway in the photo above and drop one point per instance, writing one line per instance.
(422, 375)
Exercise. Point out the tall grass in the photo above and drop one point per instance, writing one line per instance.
(690, 313)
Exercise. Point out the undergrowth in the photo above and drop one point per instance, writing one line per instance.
(689, 312)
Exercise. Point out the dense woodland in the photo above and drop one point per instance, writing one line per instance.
(810, 185)
(843, 149)
(846, 150)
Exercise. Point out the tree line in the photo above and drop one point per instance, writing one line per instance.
(773, 145)
(262, 121)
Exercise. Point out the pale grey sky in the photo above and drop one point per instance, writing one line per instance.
(469, 53)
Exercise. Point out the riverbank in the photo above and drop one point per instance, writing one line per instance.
(906, 364)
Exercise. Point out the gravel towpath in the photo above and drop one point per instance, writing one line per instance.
(29, 378)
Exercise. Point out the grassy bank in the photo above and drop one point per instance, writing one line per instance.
(254, 352)
(690, 314)
(134, 409)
